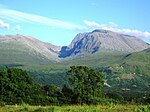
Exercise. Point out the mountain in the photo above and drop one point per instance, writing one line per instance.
(19, 49)
(98, 40)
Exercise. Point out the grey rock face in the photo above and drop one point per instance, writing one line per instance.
(102, 39)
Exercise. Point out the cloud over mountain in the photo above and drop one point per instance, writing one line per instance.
(114, 27)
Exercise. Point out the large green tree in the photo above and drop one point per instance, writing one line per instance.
(86, 84)
(15, 85)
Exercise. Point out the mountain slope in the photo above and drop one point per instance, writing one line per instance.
(132, 74)
(102, 39)
(18, 49)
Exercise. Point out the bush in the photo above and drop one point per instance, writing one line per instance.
(143, 109)
(2, 104)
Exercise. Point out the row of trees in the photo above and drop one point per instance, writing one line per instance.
(84, 87)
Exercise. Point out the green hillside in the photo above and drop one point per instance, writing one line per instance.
(132, 75)
(13, 56)
(98, 59)
(55, 72)
(124, 72)
(23, 50)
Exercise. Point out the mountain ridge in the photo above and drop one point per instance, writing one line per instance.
(15, 48)
(96, 40)
(19, 47)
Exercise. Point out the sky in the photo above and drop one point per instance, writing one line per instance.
(59, 21)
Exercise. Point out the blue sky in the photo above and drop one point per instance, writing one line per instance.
(58, 21)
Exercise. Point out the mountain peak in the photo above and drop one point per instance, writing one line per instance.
(96, 40)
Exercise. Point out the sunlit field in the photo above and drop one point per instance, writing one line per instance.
(76, 108)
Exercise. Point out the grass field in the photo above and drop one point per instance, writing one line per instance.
(75, 108)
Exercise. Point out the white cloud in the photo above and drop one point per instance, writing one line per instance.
(114, 27)
(112, 24)
(92, 24)
(18, 27)
(136, 32)
(16, 16)
(4, 25)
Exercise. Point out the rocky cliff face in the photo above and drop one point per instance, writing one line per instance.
(102, 39)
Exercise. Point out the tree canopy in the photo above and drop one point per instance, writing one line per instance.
(84, 87)
(85, 83)
(17, 87)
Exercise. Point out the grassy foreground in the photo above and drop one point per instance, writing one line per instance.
(75, 108)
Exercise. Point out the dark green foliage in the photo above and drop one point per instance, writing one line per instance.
(53, 92)
(86, 84)
(114, 95)
(15, 85)
(68, 93)
(46, 78)
(147, 99)
(17, 88)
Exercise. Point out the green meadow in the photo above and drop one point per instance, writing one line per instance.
(77, 108)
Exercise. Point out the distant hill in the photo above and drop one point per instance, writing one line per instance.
(98, 40)
(19, 49)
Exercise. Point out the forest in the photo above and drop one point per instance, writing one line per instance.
(85, 86)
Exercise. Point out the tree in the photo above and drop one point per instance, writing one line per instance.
(86, 84)
(16, 86)
(114, 95)
(67, 92)
(53, 92)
